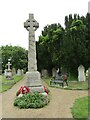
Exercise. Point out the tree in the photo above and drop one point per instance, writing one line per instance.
(17, 54)
(49, 46)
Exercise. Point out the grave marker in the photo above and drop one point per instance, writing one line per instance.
(81, 73)
(32, 76)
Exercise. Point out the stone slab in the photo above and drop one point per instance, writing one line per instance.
(33, 79)
(37, 89)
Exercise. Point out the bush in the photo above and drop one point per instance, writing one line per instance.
(31, 100)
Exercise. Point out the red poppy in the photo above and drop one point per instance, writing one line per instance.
(23, 90)
(46, 90)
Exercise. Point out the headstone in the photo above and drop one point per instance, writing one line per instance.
(81, 73)
(22, 72)
(54, 71)
(44, 73)
(32, 76)
(86, 74)
(5, 72)
(19, 72)
(9, 71)
(0, 72)
(13, 71)
(89, 78)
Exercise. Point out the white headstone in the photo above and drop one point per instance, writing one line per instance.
(86, 74)
(81, 73)
(18, 72)
(5, 72)
(9, 71)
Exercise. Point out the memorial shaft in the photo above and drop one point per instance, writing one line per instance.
(31, 25)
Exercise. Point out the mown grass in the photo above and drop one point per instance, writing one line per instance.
(7, 84)
(72, 85)
(81, 108)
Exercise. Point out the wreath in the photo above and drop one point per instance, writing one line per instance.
(23, 90)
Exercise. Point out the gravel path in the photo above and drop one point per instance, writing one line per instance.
(59, 106)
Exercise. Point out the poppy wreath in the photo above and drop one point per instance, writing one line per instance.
(46, 90)
(23, 90)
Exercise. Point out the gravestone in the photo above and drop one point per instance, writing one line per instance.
(54, 71)
(19, 72)
(5, 72)
(9, 71)
(13, 71)
(81, 73)
(86, 74)
(32, 76)
(22, 72)
(44, 73)
(89, 78)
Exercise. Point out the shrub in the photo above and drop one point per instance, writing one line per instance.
(31, 100)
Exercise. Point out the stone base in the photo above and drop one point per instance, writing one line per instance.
(37, 89)
(9, 75)
(33, 81)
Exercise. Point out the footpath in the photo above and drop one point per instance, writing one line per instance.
(59, 106)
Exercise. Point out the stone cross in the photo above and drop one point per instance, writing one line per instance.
(31, 25)
(8, 65)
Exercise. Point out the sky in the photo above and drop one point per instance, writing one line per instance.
(13, 13)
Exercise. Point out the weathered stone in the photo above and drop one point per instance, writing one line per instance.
(13, 71)
(89, 78)
(44, 73)
(22, 72)
(8, 71)
(31, 25)
(18, 72)
(54, 71)
(32, 76)
(81, 73)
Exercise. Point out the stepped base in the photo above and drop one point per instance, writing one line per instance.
(33, 81)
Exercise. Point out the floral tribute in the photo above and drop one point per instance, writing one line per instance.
(23, 90)
(46, 90)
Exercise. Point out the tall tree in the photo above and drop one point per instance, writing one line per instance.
(17, 54)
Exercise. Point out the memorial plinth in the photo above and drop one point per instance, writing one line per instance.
(33, 78)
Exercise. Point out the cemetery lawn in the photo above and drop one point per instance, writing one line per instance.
(7, 84)
(73, 85)
(81, 108)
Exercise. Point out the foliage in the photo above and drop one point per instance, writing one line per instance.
(48, 47)
(65, 47)
(31, 100)
(17, 54)
(80, 108)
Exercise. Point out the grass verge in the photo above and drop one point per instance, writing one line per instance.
(73, 85)
(81, 108)
(7, 84)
